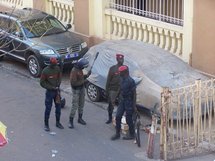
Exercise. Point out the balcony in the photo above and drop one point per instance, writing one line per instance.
(169, 11)
(159, 22)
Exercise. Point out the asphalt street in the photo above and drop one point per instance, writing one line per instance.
(22, 111)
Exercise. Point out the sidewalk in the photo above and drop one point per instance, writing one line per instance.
(207, 157)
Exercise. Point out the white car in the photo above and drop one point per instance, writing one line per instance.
(151, 67)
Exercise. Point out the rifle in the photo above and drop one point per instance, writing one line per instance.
(89, 72)
(94, 60)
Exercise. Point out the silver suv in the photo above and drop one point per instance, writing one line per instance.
(33, 36)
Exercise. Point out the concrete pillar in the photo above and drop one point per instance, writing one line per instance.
(97, 17)
(188, 30)
(203, 36)
(81, 16)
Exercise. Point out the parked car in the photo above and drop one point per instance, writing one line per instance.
(33, 36)
(151, 67)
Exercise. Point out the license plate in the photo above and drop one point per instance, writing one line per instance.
(73, 55)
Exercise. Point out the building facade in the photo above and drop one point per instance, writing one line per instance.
(183, 27)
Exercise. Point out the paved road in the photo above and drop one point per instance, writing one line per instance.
(22, 111)
(22, 108)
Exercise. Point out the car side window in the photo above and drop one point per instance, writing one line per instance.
(54, 23)
(4, 24)
(15, 29)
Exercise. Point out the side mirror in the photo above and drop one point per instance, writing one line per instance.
(18, 34)
(68, 26)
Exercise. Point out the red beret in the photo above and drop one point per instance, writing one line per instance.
(53, 60)
(119, 56)
(122, 68)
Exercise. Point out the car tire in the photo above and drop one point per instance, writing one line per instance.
(34, 66)
(93, 92)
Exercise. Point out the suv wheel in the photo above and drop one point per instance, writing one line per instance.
(93, 92)
(34, 66)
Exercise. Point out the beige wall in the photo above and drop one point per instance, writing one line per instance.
(203, 56)
(39, 4)
(81, 19)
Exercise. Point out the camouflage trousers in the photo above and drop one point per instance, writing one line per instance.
(78, 98)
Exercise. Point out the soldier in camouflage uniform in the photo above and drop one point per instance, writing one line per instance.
(51, 80)
(77, 80)
(113, 85)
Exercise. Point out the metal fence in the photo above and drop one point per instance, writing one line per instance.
(170, 11)
(188, 120)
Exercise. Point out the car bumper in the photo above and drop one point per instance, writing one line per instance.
(72, 60)
(62, 59)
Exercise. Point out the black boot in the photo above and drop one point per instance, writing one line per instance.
(116, 136)
(80, 120)
(46, 127)
(71, 126)
(58, 124)
(129, 137)
(109, 118)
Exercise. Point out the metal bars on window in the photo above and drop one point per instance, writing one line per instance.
(170, 11)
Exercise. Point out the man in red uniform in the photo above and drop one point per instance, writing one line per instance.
(51, 80)
(127, 103)
(113, 85)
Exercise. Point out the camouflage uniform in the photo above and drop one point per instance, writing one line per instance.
(78, 91)
(77, 80)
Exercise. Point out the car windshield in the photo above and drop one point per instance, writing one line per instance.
(42, 27)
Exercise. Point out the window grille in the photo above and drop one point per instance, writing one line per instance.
(170, 11)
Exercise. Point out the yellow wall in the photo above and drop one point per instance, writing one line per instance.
(88, 20)
(81, 19)
(203, 57)
(39, 4)
(97, 17)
